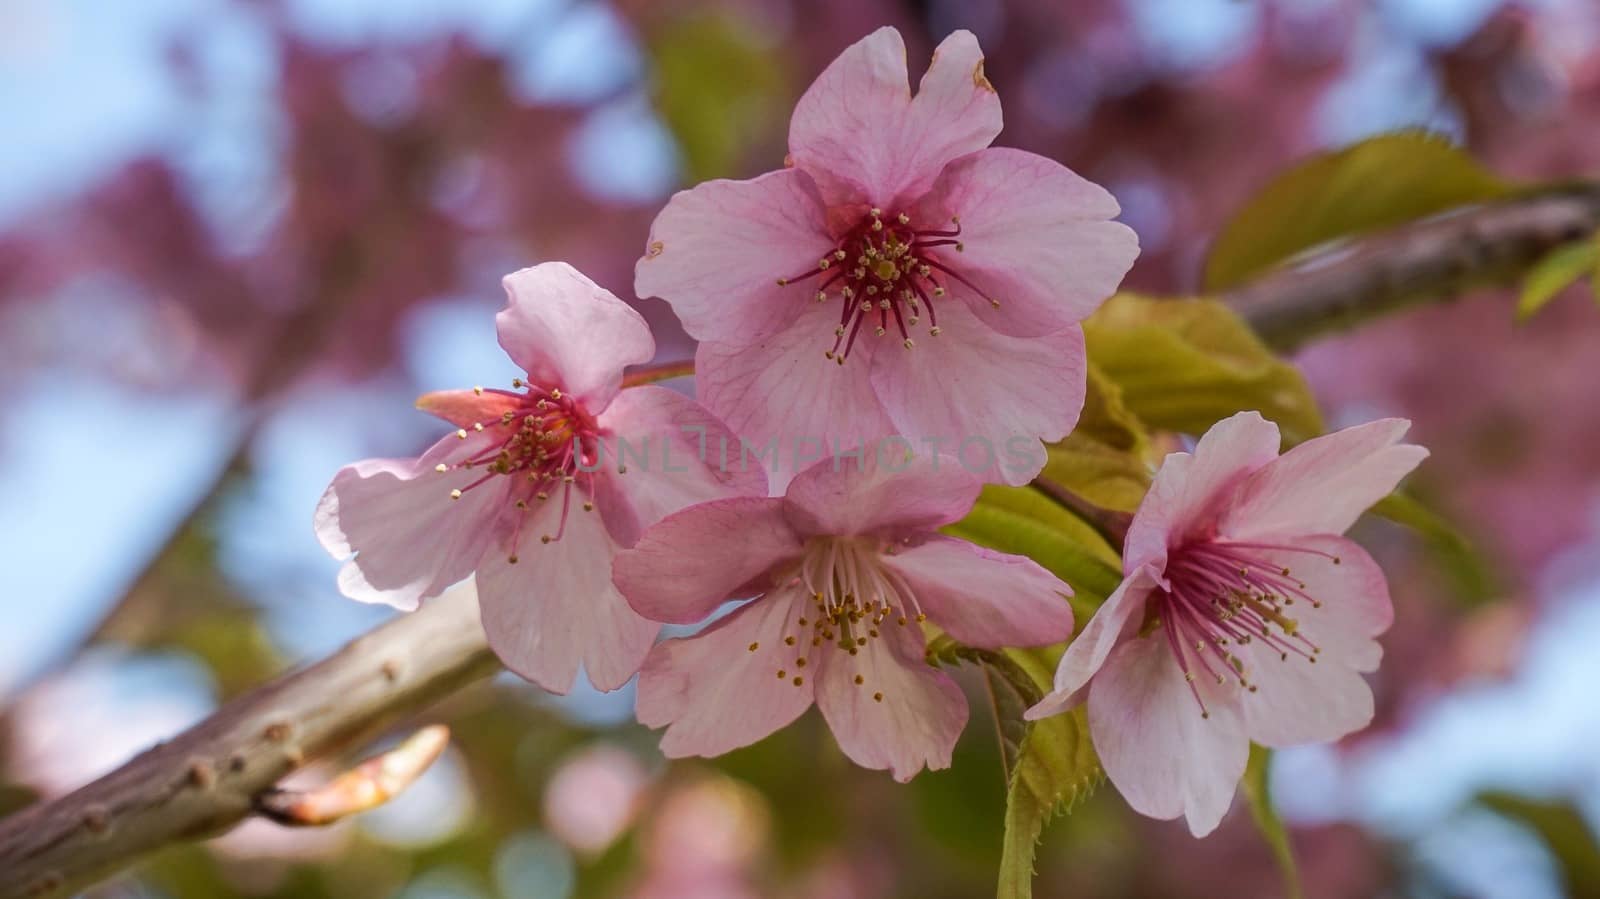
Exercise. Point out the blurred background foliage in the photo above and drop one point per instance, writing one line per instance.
(237, 237)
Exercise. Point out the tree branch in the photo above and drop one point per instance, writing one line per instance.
(1343, 285)
(206, 780)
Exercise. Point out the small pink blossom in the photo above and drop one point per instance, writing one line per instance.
(1243, 615)
(532, 493)
(844, 569)
(896, 216)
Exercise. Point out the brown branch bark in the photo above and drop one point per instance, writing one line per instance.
(205, 780)
(1342, 286)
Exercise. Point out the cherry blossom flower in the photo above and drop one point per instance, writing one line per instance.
(537, 489)
(1243, 615)
(805, 286)
(845, 568)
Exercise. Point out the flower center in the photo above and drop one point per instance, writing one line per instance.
(1225, 595)
(543, 440)
(855, 596)
(882, 268)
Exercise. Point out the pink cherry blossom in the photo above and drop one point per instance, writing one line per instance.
(845, 568)
(895, 216)
(533, 494)
(1244, 615)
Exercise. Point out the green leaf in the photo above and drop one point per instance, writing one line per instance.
(1560, 267)
(1378, 183)
(1104, 459)
(1184, 365)
(717, 88)
(1056, 767)
(1024, 521)
(1258, 794)
(1570, 839)
(1475, 579)
(1051, 763)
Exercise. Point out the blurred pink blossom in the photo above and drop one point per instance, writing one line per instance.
(594, 797)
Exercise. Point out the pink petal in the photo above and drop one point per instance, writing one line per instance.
(1037, 238)
(569, 332)
(916, 722)
(690, 563)
(556, 608)
(1300, 702)
(1189, 491)
(882, 489)
(1323, 485)
(985, 598)
(714, 694)
(788, 402)
(661, 452)
(1115, 621)
(859, 133)
(717, 251)
(1164, 758)
(410, 539)
(1297, 702)
(987, 398)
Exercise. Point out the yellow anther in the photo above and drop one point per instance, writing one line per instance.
(455, 494)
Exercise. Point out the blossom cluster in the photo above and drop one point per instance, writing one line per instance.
(900, 293)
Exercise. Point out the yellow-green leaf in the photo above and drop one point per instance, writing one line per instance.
(1052, 764)
(1022, 520)
(1262, 811)
(1056, 767)
(1184, 365)
(1104, 459)
(1378, 183)
(1560, 267)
